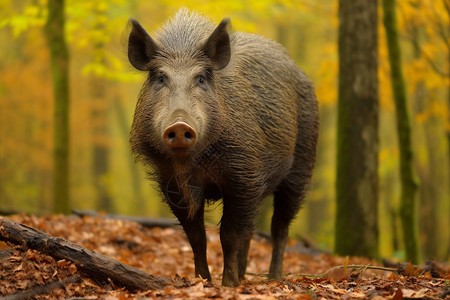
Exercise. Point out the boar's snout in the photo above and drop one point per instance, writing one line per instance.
(180, 136)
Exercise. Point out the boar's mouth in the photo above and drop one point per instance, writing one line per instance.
(181, 152)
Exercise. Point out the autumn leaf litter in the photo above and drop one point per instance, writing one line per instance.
(166, 252)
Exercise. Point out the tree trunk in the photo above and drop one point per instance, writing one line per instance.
(136, 178)
(357, 136)
(447, 256)
(59, 56)
(100, 144)
(430, 176)
(448, 133)
(99, 118)
(408, 209)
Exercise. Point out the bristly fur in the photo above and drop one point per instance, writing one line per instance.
(184, 34)
(259, 128)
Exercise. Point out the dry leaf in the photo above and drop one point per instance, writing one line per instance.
(393, 277)
(336, 275)
(412, 270)
(3, 245)
(62, 263)
(165, 252)
(398, 295)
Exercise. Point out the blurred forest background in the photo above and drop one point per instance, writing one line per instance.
(104, 89)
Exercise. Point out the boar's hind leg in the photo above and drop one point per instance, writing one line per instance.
(195, 232)
(286, 204)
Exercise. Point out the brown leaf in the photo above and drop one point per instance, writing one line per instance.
(412, 270)
(165, 252)
(398, 295)
(15, 258)
(73, 269)
(31, 255)
(19, 268)
(62, 263)
(3, 245)
(393, 277)
(354, 295)
(336, 275)
(409, 293)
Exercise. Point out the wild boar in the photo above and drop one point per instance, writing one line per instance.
(223, 115)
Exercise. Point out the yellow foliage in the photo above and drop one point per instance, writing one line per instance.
(326, 89)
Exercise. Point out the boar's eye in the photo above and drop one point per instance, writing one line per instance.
(201, 81)
(160, 80)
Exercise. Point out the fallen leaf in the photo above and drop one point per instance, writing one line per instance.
(393, 277)
(398, 295)
(409, 293)
(3, 245)
(15, 258)
(62, 263)
(198, 287)
(336, 275)
(412, 270)
(333, 289)
(19, 268)
(165, 252)
(73, 269)
(353, 295)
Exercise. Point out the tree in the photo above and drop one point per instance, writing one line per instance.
(99, 114)
(357, 132)
(429, 32)
(408, 210)
(59, 56)
(429, 174)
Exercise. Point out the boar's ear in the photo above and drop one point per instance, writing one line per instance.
(141, 47)
(217, 47)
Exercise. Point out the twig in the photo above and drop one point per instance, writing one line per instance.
(325, 274)
(363, 271)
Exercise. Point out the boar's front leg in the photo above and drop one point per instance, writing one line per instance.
(195, 232)
(235, 233)
(242, 258)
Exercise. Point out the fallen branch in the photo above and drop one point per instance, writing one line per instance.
(325, 274)
(405, 269)
(144, 221)
(353, 267)
(97, 265)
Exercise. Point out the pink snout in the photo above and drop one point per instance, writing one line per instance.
(180, 135)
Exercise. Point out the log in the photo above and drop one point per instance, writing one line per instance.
(92, 263)
(144, 221)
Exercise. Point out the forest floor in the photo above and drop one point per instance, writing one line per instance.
(166, 252)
